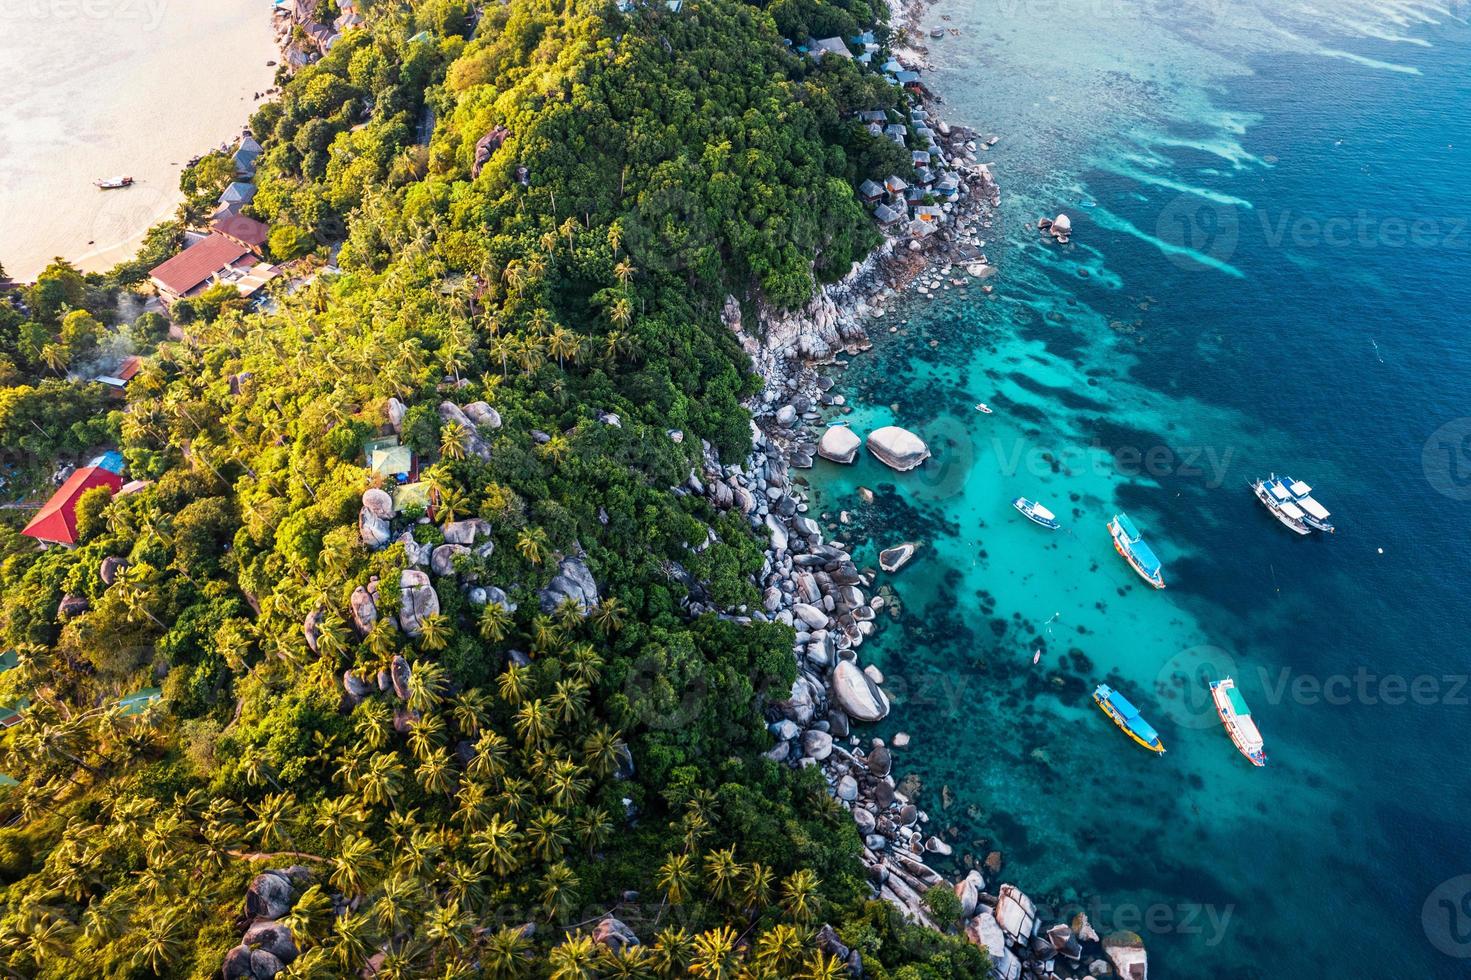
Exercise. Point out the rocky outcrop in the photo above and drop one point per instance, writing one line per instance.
(474, 445)
(363, 604)
(71, 606)
(573, 581)
(613, 934)
(858, 696)
(373, 518)
(483, 415)
(395, 412)
(417, 599)
(1126, 951)
(898, 448)
(112, 566)
(466, 532)
(895, 558)
(442, 561)
(839, 444)
(271, 894)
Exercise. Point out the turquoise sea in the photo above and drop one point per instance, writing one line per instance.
(1270, 270)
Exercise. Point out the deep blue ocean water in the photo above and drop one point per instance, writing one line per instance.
(1271, 270)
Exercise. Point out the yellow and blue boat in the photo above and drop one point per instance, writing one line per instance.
(1127, 717)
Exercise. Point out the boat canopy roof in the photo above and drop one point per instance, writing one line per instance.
(1279, 491)
(1145, 557)
(1238, 703)
(1131, 716)
(1292, 511)
(1300, 489)
(1043, 512)
(1250, 736)
(1313, 507)
(1127, 526)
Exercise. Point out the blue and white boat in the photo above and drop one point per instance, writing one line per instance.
(1314, 514)
(1277, 499)
(1128, 542)
(1036, 513)
(1127, 717)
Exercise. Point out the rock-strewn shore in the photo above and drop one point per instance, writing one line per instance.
(814, 586)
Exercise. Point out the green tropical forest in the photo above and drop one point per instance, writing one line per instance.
(444, 726)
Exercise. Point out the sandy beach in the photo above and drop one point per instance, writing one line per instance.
(104, 87)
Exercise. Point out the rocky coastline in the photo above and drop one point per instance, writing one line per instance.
(813, 584)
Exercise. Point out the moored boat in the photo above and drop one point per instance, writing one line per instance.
(1128, 542)
(1236, 717)
(1036, 513)
(1279, 501)
(1127, 717)
(113, 183)
(1314, 514)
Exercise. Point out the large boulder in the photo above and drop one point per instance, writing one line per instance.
(898, 448)
(857, 695)
(483, 415)
(984, 931)
(271, 936)
(71, 606)
(377, 502)
(817, 744)
(612, 933)
(442, 561)
(811, 615)
(474, 445)
(396, 410)
(364, 609)
(270, 895)
(112, 567)
(1062, 226)
(399, 673)
(372, 529)
(968, 890)
(417, 599)
(1126, 951)
(311, 630)
(839, 444)
(1015, 914)
(465, 532)
(895, 558)
(573, 581)
(237, 964)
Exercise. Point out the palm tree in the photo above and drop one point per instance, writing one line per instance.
(569, 701)
(452, 439)
(533, 544)
(676, 876)
(494, 621)
(779, 948)
(309, 917)
(273, 815)
(594, 829)
(546, 835)
(757, 888)
(514, 685)
(353, 940)
(381, 780)
(338, 818)
(165, 937)
(502, 347)
(799, 895)
(496, 847)
(722, 872)
(545, 634)
(448, 927)
(433, 635)
(821, 966)
(507, 954)
(563, 344)
(674, 947)
(491, 754)
(575, 958)
(382, 640)
(607, 615)
(452, 504)
(471, 712)
(624, 272)
(56, 357)
(585, 663)
(534, 722)
(436, 774)
(558, 890)
(601, 750)
(567, 784)
(715, 954)
(621, 312)
(555, 449)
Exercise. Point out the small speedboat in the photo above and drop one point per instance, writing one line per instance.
(1036, 513)
(113, 183)
(983, 408)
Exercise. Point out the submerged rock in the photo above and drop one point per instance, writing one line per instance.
(1126, 951)
(895, 558)
(898, 448)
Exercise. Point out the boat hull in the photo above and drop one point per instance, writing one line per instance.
(1157, 581)
(1298, 527)
(1024, 507)
(1255, 755)
(1157, 746)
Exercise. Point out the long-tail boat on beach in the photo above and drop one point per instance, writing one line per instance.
(1127, 542)
(1236, 717)
(112, 183)
(1127, 717)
